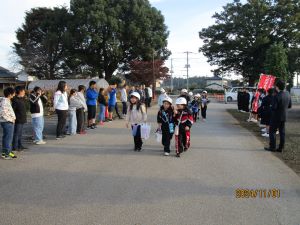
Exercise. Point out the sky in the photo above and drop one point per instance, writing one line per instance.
(184, 20)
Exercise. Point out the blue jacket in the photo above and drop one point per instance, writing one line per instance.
(91, 96)
(112, 97)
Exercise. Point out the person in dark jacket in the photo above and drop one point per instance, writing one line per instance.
(245, 100)
(102, 103)
(280, 104)
(165, 120)
(266, 105)
(37, 99)
(19, 107)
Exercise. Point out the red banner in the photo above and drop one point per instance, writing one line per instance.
(265, 82)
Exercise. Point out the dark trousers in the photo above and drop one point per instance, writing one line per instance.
(80, 120)
(61, 121)
(17, 139)
(195, 115)
(117, 110)
(272, 134)
(7, 137)
(138, 143)
(166, 140)
(148, 101)
(124, 107)
(203, 112)
(181, 141)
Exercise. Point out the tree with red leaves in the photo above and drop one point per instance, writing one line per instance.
(143, 72)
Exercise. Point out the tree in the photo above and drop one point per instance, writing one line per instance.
(242, 34)
(143, 72)
(41, 42)
(276, 62)
(109, 34)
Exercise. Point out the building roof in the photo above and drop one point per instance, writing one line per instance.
(5, 73)
(214, 78)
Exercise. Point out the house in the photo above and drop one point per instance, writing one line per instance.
(216, 83)
(8, 79)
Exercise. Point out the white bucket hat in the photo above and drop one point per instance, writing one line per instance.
(167, 99)
(181, 101)
(184, 91)
(136, 94)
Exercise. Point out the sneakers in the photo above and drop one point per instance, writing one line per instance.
(41, 142)
(264, 130)
(6, 157)
(253, 120)
(265, 135)
(178, 155)
(101, 123)
(12, 155)
(166, 154)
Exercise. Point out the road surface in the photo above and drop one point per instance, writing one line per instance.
(98, 179)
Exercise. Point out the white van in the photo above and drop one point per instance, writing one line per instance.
(232, 94)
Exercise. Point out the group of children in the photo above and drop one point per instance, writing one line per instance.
(172, 121)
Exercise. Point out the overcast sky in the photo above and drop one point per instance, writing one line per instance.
(183, 18)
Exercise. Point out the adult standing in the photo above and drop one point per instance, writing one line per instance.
(124, 99)
(266, 111)
(112, 102)
(246, 100)
(102, 105)
(19, 106)
(7, 120)
(149, 95)
(91, 101)
(281, 102)
(61, 107)
(143, 94)
(37, 99)
(80, 113)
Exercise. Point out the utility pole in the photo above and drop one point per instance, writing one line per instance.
(172, 75)
(187, 69)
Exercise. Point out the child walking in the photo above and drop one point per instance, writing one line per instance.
(204, 103)
(183, 122)
(195, 104)
(165, 120)
(136, 114)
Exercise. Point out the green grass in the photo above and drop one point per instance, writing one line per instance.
(291, 153)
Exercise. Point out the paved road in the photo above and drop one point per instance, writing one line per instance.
(98, 179)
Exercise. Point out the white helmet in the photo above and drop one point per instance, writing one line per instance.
(162, 90)
(181, 101)
(198, 95)
(184, 91)
(167, 99)
(136, 94)
(191, 93)
(204, 92)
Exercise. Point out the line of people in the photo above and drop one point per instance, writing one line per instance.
(271, 114)
(71, 109)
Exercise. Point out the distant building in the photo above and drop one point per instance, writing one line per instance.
(216, 83)
(8, 79)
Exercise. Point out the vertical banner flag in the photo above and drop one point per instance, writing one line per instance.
(265, 82)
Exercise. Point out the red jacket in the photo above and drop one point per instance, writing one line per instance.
(184, 118)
